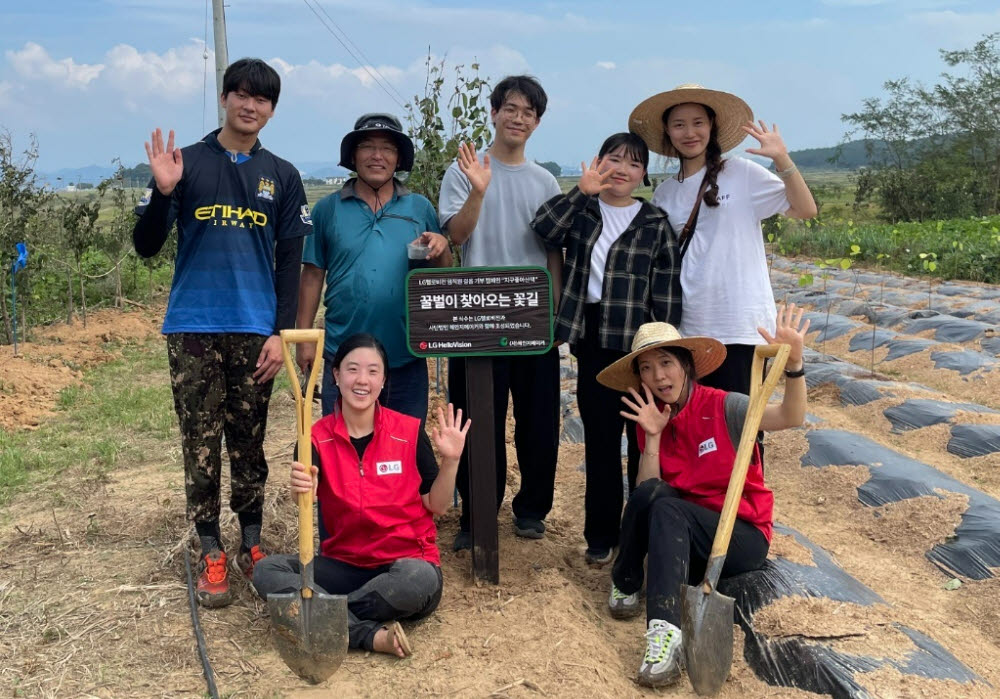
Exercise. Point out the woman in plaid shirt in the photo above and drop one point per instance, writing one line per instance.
(622, 269)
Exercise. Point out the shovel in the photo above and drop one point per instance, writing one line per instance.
(706, 615)
(310, 626)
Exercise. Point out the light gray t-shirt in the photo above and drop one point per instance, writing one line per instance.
(736, 406)
(503, 235)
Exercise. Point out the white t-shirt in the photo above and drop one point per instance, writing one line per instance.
(614, 221)
(725, 287)
(503, 235)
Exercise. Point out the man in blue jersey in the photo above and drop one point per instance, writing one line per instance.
(361, 251)
(241, 218)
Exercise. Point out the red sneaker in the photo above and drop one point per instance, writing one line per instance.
(246, 560)
(213, 581)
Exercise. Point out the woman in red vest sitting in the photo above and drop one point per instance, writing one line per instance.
(379, 488)
(688, 434)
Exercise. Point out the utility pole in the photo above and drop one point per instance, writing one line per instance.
(221, 53)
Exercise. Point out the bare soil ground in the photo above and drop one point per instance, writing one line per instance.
(31, 381)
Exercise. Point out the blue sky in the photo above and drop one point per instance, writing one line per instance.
(91, 78)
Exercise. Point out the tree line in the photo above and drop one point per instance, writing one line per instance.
(79, 245)
(934, 151)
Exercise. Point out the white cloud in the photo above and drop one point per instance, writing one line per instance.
(606, 65)
(34, 63)
(175, 75)
(954, 27)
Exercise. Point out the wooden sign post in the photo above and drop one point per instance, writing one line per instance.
(480, 313)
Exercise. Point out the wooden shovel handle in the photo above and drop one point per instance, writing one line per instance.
(760, 392)
(303, 424)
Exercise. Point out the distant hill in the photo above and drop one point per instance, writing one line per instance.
(852, 156)
(91, 174)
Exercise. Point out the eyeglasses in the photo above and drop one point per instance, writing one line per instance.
(368, 149)
(510, 111)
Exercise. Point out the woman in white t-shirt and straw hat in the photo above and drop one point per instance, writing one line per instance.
(726, 289)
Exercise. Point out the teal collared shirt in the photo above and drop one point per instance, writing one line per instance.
(365, 259)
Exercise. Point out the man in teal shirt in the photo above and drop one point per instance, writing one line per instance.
(359, 248)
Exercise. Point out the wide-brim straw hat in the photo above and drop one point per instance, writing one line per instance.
(707, 353)
(731, 113)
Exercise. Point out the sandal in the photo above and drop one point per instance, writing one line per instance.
(396, 634)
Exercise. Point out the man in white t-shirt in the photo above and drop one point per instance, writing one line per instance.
(486, 206)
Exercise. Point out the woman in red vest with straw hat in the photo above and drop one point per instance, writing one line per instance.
(715, 205)
(379, 486)
(688, 433)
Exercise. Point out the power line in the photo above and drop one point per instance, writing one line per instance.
(357, 48)
(376, 76)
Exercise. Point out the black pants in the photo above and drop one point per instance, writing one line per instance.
(677, 536)
(734, 375)
(600, 409)
(533, 384)
(410, 588)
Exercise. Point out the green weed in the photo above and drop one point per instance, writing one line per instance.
(98, 424)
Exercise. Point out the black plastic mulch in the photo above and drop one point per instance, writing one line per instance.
(963, 361)
(813, 664)
(863, 340)
(991, 345)
(921, 412)
(947, 328)
(830, 326)
(975, 547)
(902, 348)
(968, 441)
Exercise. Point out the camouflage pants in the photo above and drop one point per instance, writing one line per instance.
(215, 395)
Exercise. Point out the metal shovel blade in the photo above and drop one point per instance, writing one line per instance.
(311, 633)
(707, 633)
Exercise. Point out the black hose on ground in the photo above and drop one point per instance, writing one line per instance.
(206, 666)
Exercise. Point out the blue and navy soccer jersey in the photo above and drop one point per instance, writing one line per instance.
(229, 215)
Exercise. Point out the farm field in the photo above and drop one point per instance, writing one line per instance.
(882, 580)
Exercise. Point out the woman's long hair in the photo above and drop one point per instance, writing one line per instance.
(713, 156)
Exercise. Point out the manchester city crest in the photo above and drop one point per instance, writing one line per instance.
(265, 189)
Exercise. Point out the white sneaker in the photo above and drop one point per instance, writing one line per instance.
(622, 606)
(662, 664)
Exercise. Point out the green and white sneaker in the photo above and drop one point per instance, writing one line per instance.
(664, 650)
(622, 606)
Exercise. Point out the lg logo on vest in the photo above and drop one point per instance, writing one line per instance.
(707, 446)
(387, 468)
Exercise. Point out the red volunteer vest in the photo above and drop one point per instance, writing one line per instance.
(697, 456)
(372, 508)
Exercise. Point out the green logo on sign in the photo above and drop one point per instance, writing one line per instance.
(503, 341)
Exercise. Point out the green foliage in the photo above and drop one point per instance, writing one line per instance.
(963, 248)
(467, 113)
(98, 424)
(935, 152)
(70, 237)
(552, 167)
(22, 200)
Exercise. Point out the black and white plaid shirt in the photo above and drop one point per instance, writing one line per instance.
(642, 280)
